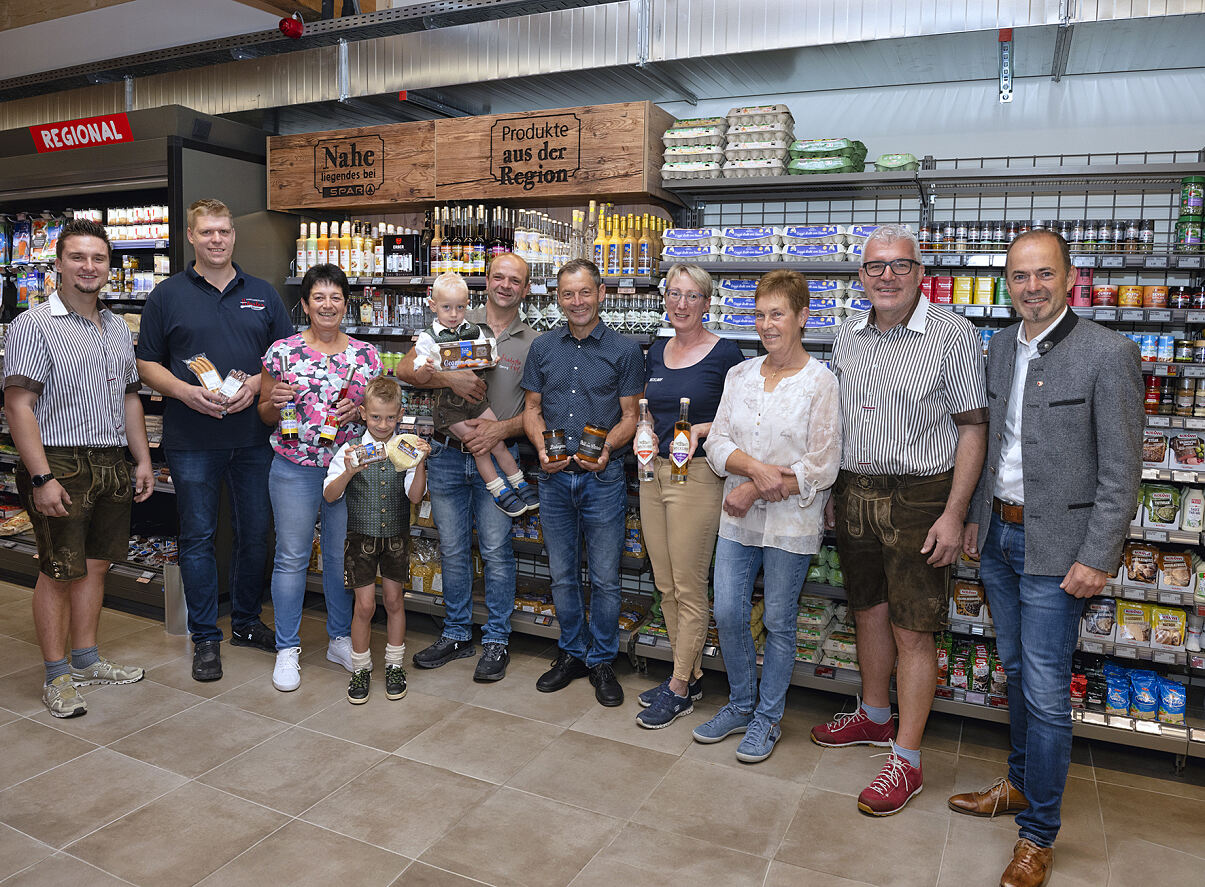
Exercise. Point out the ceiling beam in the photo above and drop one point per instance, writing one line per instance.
(18, 15)
(309, 9)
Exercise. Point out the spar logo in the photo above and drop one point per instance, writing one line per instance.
(352, 167)
(535, 150)
(110, 129)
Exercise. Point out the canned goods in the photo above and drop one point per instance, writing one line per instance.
(943, 290)
(1104, 295)
(964, 290)
(984, 287)
(1188, 235)
(1129, 296)
(1002, 295)
(1149, 346)
(1192, 196)
(1167, 348)
(1154, 296)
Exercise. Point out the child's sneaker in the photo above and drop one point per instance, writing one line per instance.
(359, 687)
(395, 681)
(527, 494)
(509, 503)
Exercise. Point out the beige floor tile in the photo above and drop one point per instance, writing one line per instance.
(149, 647)
(199, 739)
(208, 828)
(16, 655)
(795, 755)
(849, 770)
(1149, 770)
(31, 748)
(422, 875)
(60, 870)
(452, 681)
(515, 839)
(21, 691)
(942, 732)
(828, 834)
(984, 739)
(381, 723)
(782, 874)
(65, 803)
(1136, 863)
(516, 694)
(319, 688)
(7, 716)
(652, 858)
(739, 809)
(619, 723)
(10, 593)
(975, 853)
(303, 855)
(481, 743)
(18, 851)
(16, 621)
(1166, 820)
(400, 805)
(239, 665)
(114, 625)
(599, 774)
(293, 771)
(115, 711)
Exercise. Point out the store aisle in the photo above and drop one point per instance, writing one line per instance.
(170, 782)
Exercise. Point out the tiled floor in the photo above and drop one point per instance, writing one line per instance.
(170, 782)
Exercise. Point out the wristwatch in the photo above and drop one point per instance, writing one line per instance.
(40, 480)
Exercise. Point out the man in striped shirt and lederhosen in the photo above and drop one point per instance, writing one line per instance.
(914, 414)
(71, 399)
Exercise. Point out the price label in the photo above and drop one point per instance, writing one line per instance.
(1188, 262)
(928, 259)
(825, 671)
(1155, 262)
(1107, 314)
(1001, 311)
(954, 261)
(543, 619)
(373, 331)
(146, 577)
(1163, 657)
(1156, 535)
(1159, 315)
(10, 543)
(377, 281)
(976, 628)
(1150, 474)
(1195, 317)
(1162, 369)
(1194, 424)
(974, 310)
(1194, 372)
(649, 640)
(1125, 652)
(979, 261)
(976, 698)
(539, 289)
(1184, 477)
(1091, 647)
(1112, 261)
(156, 397)
(1159, 421)
(416, 281)
(1133, 594)
(999, 261)
(1169, 597)
(711, 650)
(1132, 315)
(1083, 261)
(628, 282)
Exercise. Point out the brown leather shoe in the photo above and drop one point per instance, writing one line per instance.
(1001, 797)
(1031, 865)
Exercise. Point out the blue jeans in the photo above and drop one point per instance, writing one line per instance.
(593, 505)
(458, 498)
(198, 476)
(736, 568)
(296, 504)
(1036, 628)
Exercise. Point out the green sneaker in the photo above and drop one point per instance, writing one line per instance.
(395, 682)
(63, 700)
(359, 687)
(102, 671)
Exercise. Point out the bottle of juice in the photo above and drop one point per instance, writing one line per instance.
(679, 447)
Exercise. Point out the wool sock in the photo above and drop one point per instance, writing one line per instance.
(876, 714)
(495, 486)
(85, 657)
(56, 669)
(911, 755)
(395, 655)
(361, 660)
(515, 479)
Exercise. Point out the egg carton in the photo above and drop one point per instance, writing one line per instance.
(823, 322)
(776, 115)
(693, 122)
(857, 234)
(707, 252)
(853, 252)
(735, 322)
(813, 252)
(826, 306)
(750, 253)
(691, 169)
(736, 286)
(850, 148)
(708, 320)
(770, 149)
(897, 163)
(701, 153)
(855, 305)
(856, 290)
(748, 169)
(758, 132)
(693, 135)
(691, 236)
(823, 165)
(814, 234)
(836, 289)
(761, 236)
(726, 303)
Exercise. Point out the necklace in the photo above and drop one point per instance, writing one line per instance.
(775, 375)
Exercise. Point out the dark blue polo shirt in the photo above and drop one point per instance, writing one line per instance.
(580, 381)
(185, 316)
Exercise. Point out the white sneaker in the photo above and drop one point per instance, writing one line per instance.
(286, 675)
(339, 651)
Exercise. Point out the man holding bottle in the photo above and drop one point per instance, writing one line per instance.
(215, 309)
(458, 494)
(583, 382)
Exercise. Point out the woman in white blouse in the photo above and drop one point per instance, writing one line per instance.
(776, 439)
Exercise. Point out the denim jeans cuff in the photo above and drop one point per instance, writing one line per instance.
(1031, 837)
(457, 635)
(504, 641)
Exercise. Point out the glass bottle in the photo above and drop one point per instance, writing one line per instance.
(679, 447)
(643, 444)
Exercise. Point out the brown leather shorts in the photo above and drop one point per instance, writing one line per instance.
(364, 556)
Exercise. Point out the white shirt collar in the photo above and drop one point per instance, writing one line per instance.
(1042, 335)
(916, 321)
(59, 309)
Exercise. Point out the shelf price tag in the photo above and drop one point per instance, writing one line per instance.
(954, 261)
(1195, 317)
(146, 577)
(1133, 594)
(1159, 315)
(1112, 261)
(372, 331)
(974, 310)
(1188, 262)
(1125, 652)
(1170, 597)
(979, 261)
(1132, 315)
(976, 698)
(539, 289)
(1163, 657)
(1156, 535)
(929, 258)
(1108, 314)
(1184, 477)
(1001, 311)
(1091, 647)
(544, 619)
(1194, 372)
(999, 261)
(1159, 421)
(649, 640)
(1155, 262)
(1083, 261)
(1194, 424)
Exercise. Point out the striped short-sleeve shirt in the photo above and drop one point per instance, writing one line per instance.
(900, 390)
(80, 373)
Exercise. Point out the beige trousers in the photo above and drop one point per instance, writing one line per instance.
(680, 522)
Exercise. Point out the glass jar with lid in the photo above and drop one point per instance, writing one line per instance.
(1104, 236)
(1146, 236)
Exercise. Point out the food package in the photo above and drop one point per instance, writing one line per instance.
(813, 234)
(817, 572)
(966, 601)
(756, 236)
(850, 148)
(702, 253)
(841, 643)
(897, 163)
(1117, 694)
(857, 234)
(1176, 571)
(366, 454)
(756, 253)
(1133, 623)
(1173, 697)
(735, 322)
(823, 322)
(772, 115)
(814, 611)
(1169, 627)
(813, 252)
(743, 133)
(1188, 450)
(1100, 619)
(16, 525)
(736, 286)
(1192, 509)
(37, 239)
(478, 353)
(729, 304)
(980, 678)
(207, 374)
(1154, 449)
(855, 305)
(677, 136)
(1142, 564)
(403, 451)
(999, 679)
(1161, 506)
(753, 168)
(694, 153)
(959, 677)
(1144, 694)
(811, 635)
(805, 653)
(232, 383)
(692, 169)
(840, 660)
(824, 289)
(770, 149)
(691, 236)
(21, 237)
(822, 165)
(686, 122)
(826, 306)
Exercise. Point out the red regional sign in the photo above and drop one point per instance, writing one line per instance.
(109, 129)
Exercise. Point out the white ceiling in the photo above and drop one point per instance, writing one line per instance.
(124, 29)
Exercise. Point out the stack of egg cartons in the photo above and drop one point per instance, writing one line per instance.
(732, 304)
(827, 305)
(758, 139)
(855, 237)
(694, 148)
(751, 244)
(813, 243)
(813, 156)
(691, 245)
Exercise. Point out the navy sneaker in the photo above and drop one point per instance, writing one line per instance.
(728, 720)
(442, 652)
(509, 503)
(758, 741)
(667, 708)
(528, 496)
(649, 696)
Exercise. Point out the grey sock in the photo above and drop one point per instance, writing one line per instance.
(85, 657)
(57, 669)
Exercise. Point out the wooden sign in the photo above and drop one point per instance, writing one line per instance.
(548, 156)
(373, 166)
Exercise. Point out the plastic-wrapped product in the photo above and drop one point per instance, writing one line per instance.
(736, 286)
(735, 304)
(859, 233)
(850, 148)
(817, 322)
(704, 253)
(826, 306)
(692, 169)
(1144, 695)
(758, 132)
(813, 252)
(691, 236)
(772, 115)
(703, 153)
(857, 305)
(823, 165)
(1169, 626)
(751, 236)
(813, 234)
(897, 163)
(756, 253)
(753, 168)
(827, 289)
(1133, 623)
(689, 122)
(770, 149)
(1100, 619)
(678, 136)
(1173, 697)
(735, 322)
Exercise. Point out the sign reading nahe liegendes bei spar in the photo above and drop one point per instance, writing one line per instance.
(350, 167)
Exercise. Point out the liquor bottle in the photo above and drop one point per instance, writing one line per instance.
(628, 253)
(356, 255)
(497, 247)
(591, 227)
(644, 247)
(322, 245)
(643, 444)
(311, 246)
(368, 264)
(479, 243)
(345, 248)
(547, 244)
(612, 266)
(302, 251)
(288, 423)
(445, 247)
(330, 420)
(378, 252)
(599, 243)
(422, 267)
(679, 447)
(435, 263)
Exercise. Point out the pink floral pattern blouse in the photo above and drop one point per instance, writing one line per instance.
(318, 379)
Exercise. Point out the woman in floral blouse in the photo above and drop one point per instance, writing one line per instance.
(310, 369)
(777, 440)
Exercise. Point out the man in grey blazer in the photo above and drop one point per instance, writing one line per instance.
(1048, 521)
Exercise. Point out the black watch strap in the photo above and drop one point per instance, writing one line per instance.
(40, 480)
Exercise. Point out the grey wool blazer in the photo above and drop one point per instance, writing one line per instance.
(1081, 444)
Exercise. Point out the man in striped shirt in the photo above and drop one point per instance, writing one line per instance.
(914, 414)
(71, 399)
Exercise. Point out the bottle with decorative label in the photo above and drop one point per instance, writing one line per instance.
(643, 444)
(288, 423)
(679, 447)
(330, 420)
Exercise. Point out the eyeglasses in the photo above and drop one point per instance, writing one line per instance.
(679, 296)
(898, 267)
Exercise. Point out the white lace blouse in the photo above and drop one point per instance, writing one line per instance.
(798, 424)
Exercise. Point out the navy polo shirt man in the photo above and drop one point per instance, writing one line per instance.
(215, 309)
(583, 373)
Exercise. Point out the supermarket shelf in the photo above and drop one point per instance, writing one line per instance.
(475, 282)
(763, 267)
(1164, 368)
(396, 331)
(137, 583)
(1129, 731)
(1145, 593)
(121, 245)
(822, 186)
(667, 332)
(1176, 475)
(1104, 648)
(1158, 261)
(124, 297)
(1188, 422)
(1176, 537)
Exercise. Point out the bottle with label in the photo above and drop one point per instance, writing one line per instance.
(302, 267)
(378, 251)
(679, 447)
(445, 246)
(330, 420)
(311, 246)
(424, 256)
(322, 245)
(643, 443)
(644, 246)
(479, 243)
(288, 423)
(591, 233)
(434, 250)
(613, 255)
(628, 255)
(357, 251)
(345, 248)
(599, 242)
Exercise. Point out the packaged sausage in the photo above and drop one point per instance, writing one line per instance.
(207, 374)
(232, 383)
